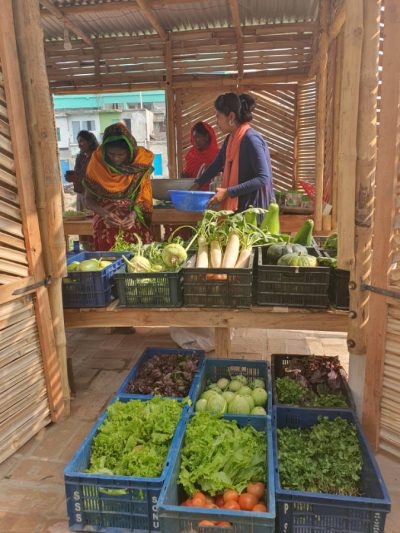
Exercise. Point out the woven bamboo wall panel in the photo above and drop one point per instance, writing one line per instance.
(306, 144)
(274, 118)
(390, 417)
(13, 260)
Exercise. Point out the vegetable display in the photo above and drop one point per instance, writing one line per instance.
(134, 438)
(325, 458)
(298, 259)
(88, 265)
(305, 233)
(313, 381)
(218, 455)
(238, 396)
(165, 374)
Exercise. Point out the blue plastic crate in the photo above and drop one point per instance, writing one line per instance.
(175, 518)
(150, 353)
(308, 512)
(115, 504)
(91, 289)
(214, 369)
(279, 364)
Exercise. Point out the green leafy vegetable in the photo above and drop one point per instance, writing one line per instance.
(134, 438)
(218, 454)
(325, 458)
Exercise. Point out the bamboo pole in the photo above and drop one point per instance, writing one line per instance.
(336, 124)
(364, 198)
(179, 132)
(24, 177)
(46, 172)
(386, 178)
(321, 113)
(170, 112)
(347, 148)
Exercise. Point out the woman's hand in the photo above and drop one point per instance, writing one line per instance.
(111, 219)
(219, 196)
(128, 221)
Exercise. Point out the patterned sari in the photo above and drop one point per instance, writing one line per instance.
(121, 189)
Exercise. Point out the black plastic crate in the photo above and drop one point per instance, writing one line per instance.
(314, 512)
(91, 289)
(319, 242)
(150, 353)
(150, 289)
(217, 287)
(289, 286)
(280, 363)
(339, 296)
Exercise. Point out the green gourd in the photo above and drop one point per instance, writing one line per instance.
(270, 222)
(298, 260)
(305, 233)
(277, 250)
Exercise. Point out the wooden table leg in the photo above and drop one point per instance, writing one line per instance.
(222, 342)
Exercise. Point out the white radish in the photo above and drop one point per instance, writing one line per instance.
(202, 253)
(231, 253)
(244, 258)
(215, 254)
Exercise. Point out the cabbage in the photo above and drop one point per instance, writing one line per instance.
(258, 410)
(223, 383)
(250, 400)
(239, 406)
(260, 396)
(208, 393)
(214, 387)
(216, 405)
(244, 391)
(241, 378)
(228, 395)
(258, 382)
(201, 405)
(235, 385)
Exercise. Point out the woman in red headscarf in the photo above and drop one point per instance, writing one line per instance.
(203, 151)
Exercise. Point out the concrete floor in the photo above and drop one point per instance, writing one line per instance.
(32, 498)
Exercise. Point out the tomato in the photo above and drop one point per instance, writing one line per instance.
(198, 499)
(207, 523)
(219, 501)
(247, 501)
(210, 505)
(224, 524)
(230, 494)
(260, 508)
(187, 503)
(232, 505)
(257, 488)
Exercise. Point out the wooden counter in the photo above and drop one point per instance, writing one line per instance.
(172, 217)
(221, 319)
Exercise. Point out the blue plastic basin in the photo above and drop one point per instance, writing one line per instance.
(190, 200)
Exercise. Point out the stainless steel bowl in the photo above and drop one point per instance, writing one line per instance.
(163, 185)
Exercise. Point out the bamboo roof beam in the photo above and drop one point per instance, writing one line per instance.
(235, 16)
(149, 15)
(57, 12)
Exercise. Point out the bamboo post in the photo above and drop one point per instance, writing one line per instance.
(386, 179)
(23, 170)
(364, 197)
(179, 132)
(321, 112)
(170, 112)
(336, 125)
(45, 165)
(296, 138)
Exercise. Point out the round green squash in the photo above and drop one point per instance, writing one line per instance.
(277, 250)
(298, 260)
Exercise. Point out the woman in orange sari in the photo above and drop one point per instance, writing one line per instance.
(118, 188)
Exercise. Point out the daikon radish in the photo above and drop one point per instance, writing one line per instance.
(202, 253)
(231, 253)
(244, 257)
(215, 254)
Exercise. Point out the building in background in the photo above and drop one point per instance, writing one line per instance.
(142, 112)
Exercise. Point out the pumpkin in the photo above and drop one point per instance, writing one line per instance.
(298, 260)
(277, 250)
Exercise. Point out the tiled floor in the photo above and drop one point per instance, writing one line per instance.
(32, 496)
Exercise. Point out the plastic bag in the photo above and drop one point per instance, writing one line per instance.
(193, 338)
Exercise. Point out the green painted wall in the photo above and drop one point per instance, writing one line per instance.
(108, 118)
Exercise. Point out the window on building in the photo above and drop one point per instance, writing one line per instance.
(128, 123)
(76, 128)
(58, 132)
(89, 125)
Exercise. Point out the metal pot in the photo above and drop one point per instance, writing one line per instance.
(161, 186)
